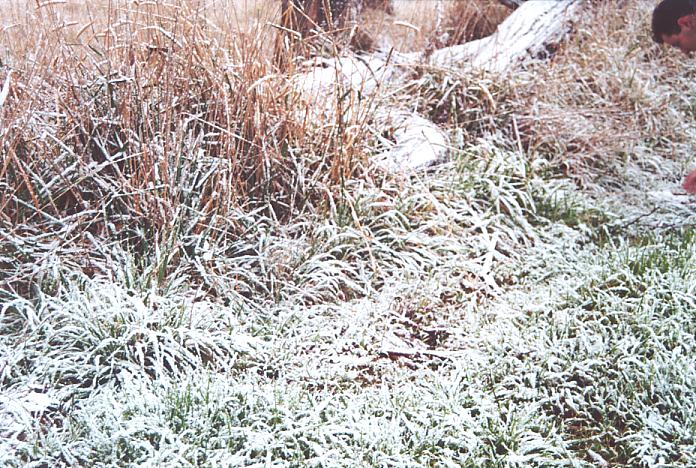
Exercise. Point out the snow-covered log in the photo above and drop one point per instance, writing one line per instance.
(416, 143)
(526, 34)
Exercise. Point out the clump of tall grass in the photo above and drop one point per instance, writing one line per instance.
(608, 101)
(154, 130)
(603, 103)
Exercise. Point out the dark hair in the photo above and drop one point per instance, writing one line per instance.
(666, 14)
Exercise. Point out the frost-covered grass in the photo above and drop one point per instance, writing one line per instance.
(570, 351)
(528, 303)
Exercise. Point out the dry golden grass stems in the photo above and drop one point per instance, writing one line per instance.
(103, 95)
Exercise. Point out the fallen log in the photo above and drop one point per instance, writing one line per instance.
(527, 34)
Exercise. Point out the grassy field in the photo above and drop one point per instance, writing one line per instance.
(194, 274)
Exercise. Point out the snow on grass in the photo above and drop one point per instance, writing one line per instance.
(492, 311)
(585, 353)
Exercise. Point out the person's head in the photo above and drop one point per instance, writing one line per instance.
(674, 23)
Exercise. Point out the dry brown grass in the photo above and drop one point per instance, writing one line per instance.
(419, 24)
(136, 120)
(470, 20)
(133, 87)
(607, 98)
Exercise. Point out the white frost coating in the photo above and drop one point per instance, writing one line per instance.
(522, 36)
(352, 79)
(19, 409)
(419, 143)
(31, 402)
(5, 89)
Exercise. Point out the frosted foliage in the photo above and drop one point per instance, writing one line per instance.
(252, 288)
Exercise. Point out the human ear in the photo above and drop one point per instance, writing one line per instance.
(687, 22)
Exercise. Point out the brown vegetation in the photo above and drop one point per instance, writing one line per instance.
(307, 23)
(151, 124)
(133, 117)
(200, 264)
(470, 20)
